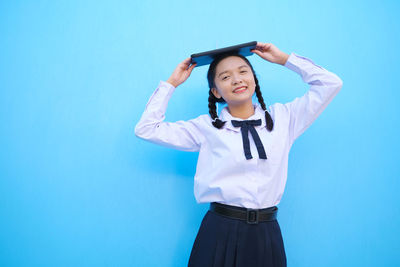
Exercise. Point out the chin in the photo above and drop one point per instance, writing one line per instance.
(238, 102)
(245, 94)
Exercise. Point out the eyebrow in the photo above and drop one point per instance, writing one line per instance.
(227, 71)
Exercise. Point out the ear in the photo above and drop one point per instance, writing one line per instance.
(215, 93)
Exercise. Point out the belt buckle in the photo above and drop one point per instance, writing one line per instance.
(252, 213)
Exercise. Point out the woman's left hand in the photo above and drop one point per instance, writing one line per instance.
(271, 53)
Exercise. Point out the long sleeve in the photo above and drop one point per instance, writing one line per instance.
(324, 86)
(181, 135)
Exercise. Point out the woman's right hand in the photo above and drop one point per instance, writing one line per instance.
(181, 73)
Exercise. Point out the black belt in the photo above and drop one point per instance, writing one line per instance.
(251, 216)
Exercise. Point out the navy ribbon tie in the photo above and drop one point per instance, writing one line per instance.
(246, 126)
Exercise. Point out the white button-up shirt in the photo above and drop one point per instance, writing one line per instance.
(223, 174)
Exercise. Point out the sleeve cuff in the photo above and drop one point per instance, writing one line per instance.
(167, 84)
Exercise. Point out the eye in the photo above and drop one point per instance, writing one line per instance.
(225, 77)
(243, 71)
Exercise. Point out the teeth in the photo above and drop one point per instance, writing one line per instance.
(242, 88)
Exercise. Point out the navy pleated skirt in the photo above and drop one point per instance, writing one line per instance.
(227, 242)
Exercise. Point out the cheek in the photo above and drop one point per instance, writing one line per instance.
(224, 89)
(253, 86)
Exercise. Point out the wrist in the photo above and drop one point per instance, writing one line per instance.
(284, 58)
(172, 82)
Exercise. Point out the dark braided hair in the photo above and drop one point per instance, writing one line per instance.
(212, 109)
(212, 100)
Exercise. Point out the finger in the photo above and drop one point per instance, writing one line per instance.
(265, 47)
(185, 64)
(259, 44)
(261, 47)
(187, 60)
(191, 68)
(257, 52)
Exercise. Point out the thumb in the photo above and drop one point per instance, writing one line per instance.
(191, 68)
(257, 52)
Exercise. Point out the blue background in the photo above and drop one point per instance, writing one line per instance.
(78, 188)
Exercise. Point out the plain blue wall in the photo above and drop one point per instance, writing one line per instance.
(78, 188)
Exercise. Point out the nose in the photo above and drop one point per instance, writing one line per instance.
(236, 79)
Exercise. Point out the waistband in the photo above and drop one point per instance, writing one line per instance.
(250, 216)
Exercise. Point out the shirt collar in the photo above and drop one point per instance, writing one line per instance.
(259, 113)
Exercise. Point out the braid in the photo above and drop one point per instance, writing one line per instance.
(268, 119)
(212, 109)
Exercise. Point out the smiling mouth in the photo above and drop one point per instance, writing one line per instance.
(240, 90)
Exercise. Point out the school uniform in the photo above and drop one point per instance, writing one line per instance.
(241, 167)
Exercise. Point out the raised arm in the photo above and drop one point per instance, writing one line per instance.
(181, 135)
(324, 86)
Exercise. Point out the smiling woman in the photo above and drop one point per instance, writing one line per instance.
(243, 177)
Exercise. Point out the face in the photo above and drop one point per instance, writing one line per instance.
(234, 81)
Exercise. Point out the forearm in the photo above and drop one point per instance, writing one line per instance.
(324, 86)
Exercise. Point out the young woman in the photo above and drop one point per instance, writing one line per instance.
(243, 152)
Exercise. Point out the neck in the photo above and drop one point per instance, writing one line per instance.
(243, 111)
